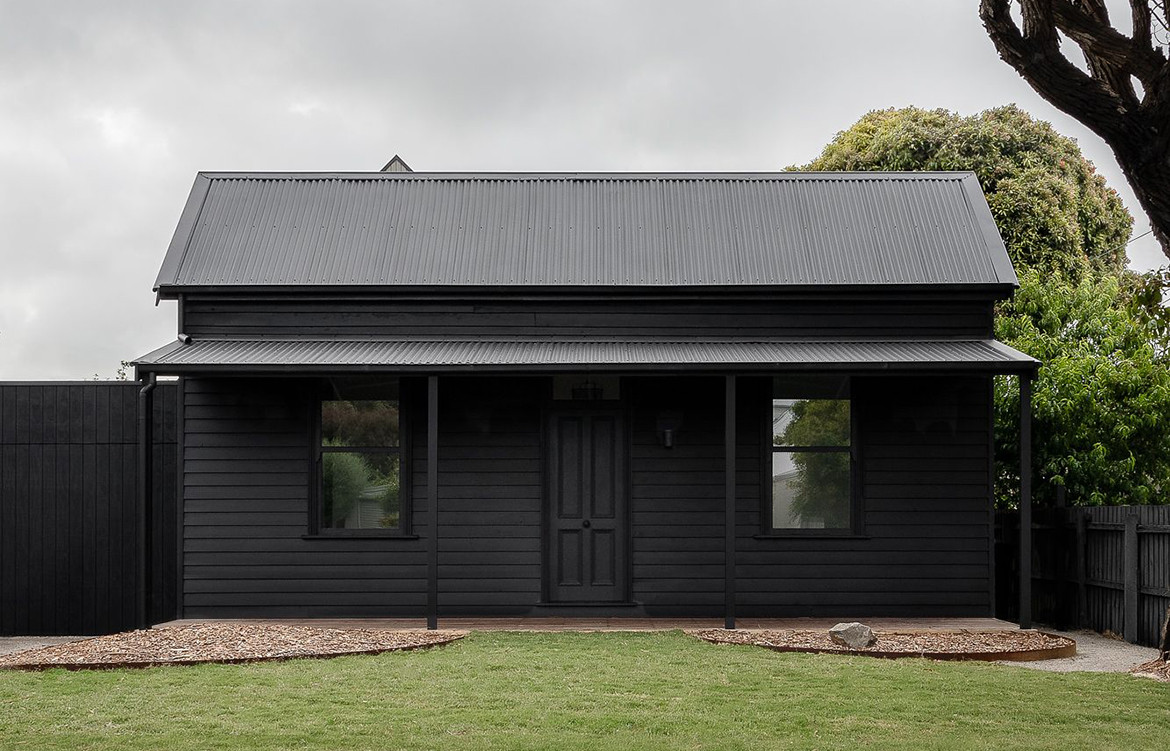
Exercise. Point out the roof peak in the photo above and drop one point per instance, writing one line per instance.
(397, 164)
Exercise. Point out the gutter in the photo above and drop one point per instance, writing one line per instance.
(145, 482)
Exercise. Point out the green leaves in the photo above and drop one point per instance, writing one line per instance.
(1101, 332)
(1099, 400)
(1054, 211)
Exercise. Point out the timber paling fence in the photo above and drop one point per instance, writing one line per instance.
(71, 539)
(1104, 568)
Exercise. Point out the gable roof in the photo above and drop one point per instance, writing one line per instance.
(396, 164)
(585, 230)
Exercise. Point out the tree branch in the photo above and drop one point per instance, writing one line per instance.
(1142, 23)
(1087, 24)
(1035, 55)
(1107, 53)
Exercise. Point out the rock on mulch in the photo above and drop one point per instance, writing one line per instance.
(1158, 669)
(220, 642)
(939, 645)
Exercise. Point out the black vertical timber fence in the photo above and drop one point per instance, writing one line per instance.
(1105, 568)
(69, 514)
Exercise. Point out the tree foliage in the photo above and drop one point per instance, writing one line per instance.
(1122, 95)
(1052, 208)
(351, 479)
(1100, 400)
(1101, 332)
(821, 484)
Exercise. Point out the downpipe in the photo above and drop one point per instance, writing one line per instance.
(145, 482)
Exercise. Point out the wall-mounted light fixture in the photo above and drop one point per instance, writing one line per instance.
(668, 425)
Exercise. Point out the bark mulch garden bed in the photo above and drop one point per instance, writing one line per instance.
(936, 645)
(220, 642)
(1158, 669)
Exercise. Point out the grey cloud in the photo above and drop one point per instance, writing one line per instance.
(108, 109)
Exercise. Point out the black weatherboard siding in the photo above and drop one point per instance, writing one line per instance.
(69, 513)
(336, 316)
(923, 551)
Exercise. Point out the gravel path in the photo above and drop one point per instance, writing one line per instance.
(1095, 654)
(220, 642)
(10, 644)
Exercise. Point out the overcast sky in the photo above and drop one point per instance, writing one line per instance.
(107, 111)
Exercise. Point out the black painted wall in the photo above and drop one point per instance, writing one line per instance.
(925, 483)
(906, 316)
(69, 552)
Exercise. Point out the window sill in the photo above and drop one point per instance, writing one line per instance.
(812, 535)
(360, 535)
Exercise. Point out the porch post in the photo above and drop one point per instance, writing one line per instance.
(433, 502)
(145, 498)
(1026, 500)
(729, 504)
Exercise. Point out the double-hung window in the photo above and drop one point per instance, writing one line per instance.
(360, 462)
(812, 479)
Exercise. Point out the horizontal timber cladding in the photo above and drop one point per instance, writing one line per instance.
(247, 479)
(341, 318)
(924, 473)
(69, 513)
(247, 473)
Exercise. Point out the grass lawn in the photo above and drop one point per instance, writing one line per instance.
(583, 691)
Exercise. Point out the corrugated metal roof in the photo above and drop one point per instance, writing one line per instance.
(427, 229)
(534, 354)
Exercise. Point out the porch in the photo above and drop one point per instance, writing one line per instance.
(543, 623)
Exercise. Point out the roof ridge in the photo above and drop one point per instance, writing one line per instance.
(873, 175)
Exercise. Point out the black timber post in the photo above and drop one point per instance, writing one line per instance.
(433, 502)
(145, 485)
(1026, 500)
(991, 575)
(1082, 541)
(729, 505)
(1129, 623)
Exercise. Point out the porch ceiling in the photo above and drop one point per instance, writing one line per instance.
(548, 355)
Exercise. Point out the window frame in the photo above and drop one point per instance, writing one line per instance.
(856, 526)
(316, 527)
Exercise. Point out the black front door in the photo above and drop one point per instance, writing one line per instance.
(586, 507)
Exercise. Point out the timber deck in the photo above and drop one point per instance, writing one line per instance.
(540, 623)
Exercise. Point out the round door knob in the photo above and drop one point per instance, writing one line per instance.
(585, 524)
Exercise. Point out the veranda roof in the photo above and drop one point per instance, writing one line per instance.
(713, 355)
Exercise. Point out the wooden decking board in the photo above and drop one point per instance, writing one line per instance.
(621, 624)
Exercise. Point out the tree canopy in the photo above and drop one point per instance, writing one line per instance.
(1101, 397)
(1054, 210)
(1122, 93)
(1100, 400)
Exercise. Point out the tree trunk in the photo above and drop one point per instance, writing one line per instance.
(1143, 159)
(1103, 99)
(1164, 646)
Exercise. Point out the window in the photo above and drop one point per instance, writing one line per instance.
(360, 462)
(811, 431)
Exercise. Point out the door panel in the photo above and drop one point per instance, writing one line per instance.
(570, 559)
(569, 481)
(586, 507)
(603, 557)
(603, 446)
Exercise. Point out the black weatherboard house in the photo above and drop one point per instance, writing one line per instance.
(407, 394)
